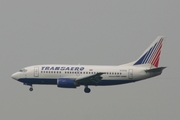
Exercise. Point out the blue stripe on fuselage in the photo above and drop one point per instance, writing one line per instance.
(54, 81)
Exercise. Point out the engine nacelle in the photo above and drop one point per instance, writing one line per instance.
(66, 83)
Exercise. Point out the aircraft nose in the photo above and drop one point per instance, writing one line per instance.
(15, 76)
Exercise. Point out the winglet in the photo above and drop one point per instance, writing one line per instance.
(152, 53)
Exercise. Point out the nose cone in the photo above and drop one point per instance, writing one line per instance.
(15, 76)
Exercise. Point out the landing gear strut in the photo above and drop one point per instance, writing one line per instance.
(31, 88)
(87, 90)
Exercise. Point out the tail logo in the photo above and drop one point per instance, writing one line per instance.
(152, 56)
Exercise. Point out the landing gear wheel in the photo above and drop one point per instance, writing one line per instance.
(31, 89)
(87, 90)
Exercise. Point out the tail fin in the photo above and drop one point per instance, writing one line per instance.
(152, 54)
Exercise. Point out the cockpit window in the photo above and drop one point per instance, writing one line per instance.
(22, 70)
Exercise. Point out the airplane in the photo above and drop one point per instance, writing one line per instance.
(72, 76)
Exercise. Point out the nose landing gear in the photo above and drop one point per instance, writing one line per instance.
(31, 87)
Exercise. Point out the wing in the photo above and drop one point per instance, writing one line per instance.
(91, 79)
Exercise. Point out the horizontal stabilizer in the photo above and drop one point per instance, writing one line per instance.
(159, 69)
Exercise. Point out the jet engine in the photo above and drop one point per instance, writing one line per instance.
(66, 83)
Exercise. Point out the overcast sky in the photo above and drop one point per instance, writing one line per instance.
(93, 32)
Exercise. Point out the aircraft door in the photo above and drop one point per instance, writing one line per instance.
(36, 72)
(130, 74)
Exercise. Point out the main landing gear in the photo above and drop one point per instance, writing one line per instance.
(31, 88)
(87, 90)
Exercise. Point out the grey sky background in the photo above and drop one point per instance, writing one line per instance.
(97, 32)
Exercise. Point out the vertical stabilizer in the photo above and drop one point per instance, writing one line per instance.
(152, 54)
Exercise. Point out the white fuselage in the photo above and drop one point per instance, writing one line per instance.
(48, 74)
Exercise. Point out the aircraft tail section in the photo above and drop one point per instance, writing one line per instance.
(151, 56)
